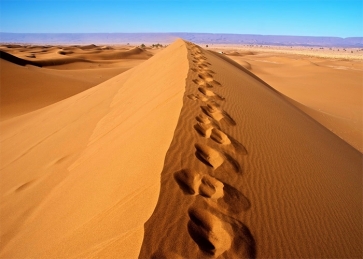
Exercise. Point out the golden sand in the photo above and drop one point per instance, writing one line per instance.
(187, 154)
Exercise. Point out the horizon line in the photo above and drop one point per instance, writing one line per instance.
(214, 33)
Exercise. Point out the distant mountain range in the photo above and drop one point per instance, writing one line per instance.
(166, 38)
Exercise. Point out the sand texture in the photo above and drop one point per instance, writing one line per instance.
(33, 77)
(80, 177)
(186, 155)
(249, 175)
(325, 86)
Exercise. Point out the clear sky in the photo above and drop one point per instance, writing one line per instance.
(342, 18)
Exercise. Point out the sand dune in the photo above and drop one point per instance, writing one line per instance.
(53, 74)
(18, 61)
(63, 55)
(106, 54)
(276, 186)
(187, 155)
(329, 90)
(76, 181)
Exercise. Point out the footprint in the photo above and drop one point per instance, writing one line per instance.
(203, 63)
(210, 93)
(216, 113)
(192, 97)
(214, 158)
(194, 69)
(209, 71)
(203, 98)
(199, 56)
(202, 118)
(228, 198)
(205, 130)
(212, 121)
(199, 61)
(193, 183)
(206, 77)
(211, 235)
(208, 155)
(206, 92)
(198, 82)
(202, 83)
(243, 244)
(220, 137)
(203, 66)
(211, 187)
(188, 181)
(204, 125)
(205, 69)
(216, 233)
(213, 112)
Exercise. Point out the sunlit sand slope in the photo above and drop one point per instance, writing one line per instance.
(80, 177)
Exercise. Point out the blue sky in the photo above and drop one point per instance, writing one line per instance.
(342, 18)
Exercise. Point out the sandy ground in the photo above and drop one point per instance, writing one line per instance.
(327, 85)
(33, 77)
(304, 51)
(179, 153)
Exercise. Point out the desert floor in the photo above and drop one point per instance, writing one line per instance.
(180, 152)
(325, 82)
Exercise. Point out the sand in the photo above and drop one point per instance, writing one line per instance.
(186, 155)
(326, 86)
(97, 158)
(56, 73)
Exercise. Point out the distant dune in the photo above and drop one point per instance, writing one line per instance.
(33, 77)
(200, 38)
(186, 155)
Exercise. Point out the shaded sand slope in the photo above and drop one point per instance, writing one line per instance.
(25, 89)
(80, 177)
(250, 175)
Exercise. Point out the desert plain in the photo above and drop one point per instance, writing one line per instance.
(180, 151)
